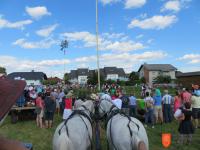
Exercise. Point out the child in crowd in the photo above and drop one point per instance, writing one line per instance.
(186, 128)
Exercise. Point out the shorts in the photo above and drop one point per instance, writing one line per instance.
(196, 113)
(57, 104)
(158, 111)
(41, 115)
(66, 113)
(49, 115)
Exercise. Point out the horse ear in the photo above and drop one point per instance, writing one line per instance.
(142, 146)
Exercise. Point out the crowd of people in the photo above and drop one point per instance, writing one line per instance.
(47, 101)
(156, 108)
(153, 107)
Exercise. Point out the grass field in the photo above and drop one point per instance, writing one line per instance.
(41, 139)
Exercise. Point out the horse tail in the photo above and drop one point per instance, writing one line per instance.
(64, 142)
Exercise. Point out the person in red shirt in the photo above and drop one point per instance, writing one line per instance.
(186, 96)
(177, 101)
(39, 110)
(68, 105)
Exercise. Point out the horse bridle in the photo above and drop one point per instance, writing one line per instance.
(111, 108)
(80, 113)
(86, 108)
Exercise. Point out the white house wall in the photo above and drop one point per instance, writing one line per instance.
(154, 74)
(73, 81)
(112, 77)
(82, 79)
(33, 82)
(141, 73)
(123, 79)
(172, 74)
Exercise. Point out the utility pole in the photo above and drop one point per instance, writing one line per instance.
(97, 47)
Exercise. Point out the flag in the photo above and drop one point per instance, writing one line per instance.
(64, 45)
(166, 140)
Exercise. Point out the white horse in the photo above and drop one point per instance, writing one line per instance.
(76, 132)
(123, 132)
(78, 103)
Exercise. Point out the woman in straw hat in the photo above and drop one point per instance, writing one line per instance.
(14, 89)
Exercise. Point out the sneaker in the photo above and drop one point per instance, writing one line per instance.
(152, 127)
(145, 126)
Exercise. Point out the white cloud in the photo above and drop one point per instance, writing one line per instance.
(123, 46)
(191, 58)
(105, 2)
(173, 5)
(134, 3)
(139, 36)
(46, 43)
(45, 32)
(37, 12)
(113, 35)
(150, 41)
(189, 68)
(124, 60)
(116, 42)
(17, 25)
(80, 36)
(54, 67)
(13, 64)
(155, 22)
(85, 59)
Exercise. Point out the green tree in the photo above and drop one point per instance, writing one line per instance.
(93, 79)
(133, 76)
(66, 78)
(143, 80)
(162, 79)
(109, 81)
(2, 70)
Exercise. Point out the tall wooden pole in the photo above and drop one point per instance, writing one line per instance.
(97, 46)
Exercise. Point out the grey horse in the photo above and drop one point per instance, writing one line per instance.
(123, 132)
(76, 132)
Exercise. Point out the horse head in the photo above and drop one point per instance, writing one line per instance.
(78, 103)
(104, 107)
(88, 105)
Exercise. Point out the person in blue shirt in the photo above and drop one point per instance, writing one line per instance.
(158, 106)
(132, 106)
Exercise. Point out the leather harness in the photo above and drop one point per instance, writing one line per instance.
(110, 116)
(81, 114)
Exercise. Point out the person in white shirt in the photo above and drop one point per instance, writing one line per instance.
(117, 102)
(167, 101)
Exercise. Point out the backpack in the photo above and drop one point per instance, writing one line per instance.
(125, 100)
(149, 104)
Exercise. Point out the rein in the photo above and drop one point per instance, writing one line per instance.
(111, 113)
(80, 113)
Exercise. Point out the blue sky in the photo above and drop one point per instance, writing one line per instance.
(131, 32)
